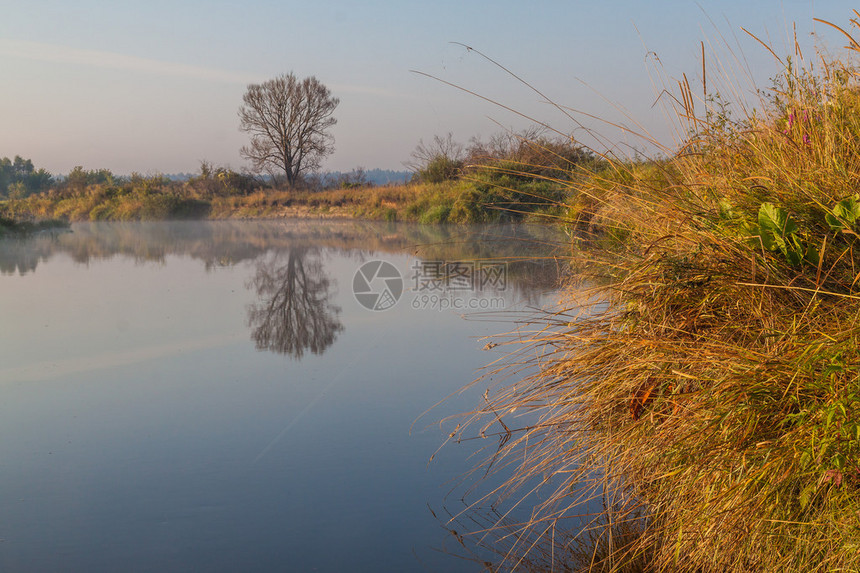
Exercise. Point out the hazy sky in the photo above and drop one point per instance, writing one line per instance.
(155, 86)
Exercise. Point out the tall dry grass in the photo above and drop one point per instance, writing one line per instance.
(703, 387)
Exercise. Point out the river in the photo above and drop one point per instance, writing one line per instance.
(248, 396)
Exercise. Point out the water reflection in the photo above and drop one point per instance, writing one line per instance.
(220, 243)
(136, 411)
(294, 312)
(23, 255)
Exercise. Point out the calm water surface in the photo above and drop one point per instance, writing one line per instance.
(211, 396)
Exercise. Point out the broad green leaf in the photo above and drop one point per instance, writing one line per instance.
(835, 224)
(777, 230)
(776, 220)
(794, 257)
(766, 238)
(848, 209)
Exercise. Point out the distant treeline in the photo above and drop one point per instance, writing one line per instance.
(361, 176)
(511, 177)
(334, 179)
(19, 178)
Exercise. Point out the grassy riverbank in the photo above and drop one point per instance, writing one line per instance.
(455, 201)
(704, 386)
(11, 227)
(493, 189)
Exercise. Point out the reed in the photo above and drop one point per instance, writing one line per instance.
(702, 384)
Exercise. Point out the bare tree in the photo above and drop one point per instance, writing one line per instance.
(288, 121)
(502, 145)
(437, 161)
(441, 147)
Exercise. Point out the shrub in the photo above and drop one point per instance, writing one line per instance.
(440, 169)
(436, 214)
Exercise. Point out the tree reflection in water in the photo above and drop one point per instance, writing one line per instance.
(294, 312)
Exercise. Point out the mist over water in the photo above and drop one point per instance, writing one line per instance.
(212, 396)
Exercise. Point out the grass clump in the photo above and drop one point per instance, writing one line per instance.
(13, 227)
(706, 386)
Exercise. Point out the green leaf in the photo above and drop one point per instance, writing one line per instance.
(839, 460)
(775, 220)
(766, 238)
(794, 257)
(726, 210)
(811, 255)
(833, 368)
(845, 213)
(848, 209)
(776, 229)
(806, 495)
(835, 224)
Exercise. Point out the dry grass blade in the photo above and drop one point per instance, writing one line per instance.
(853, 43)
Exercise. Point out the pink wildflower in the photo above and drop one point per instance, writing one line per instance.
(789, 123)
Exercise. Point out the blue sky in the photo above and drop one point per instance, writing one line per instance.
(155, 86)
